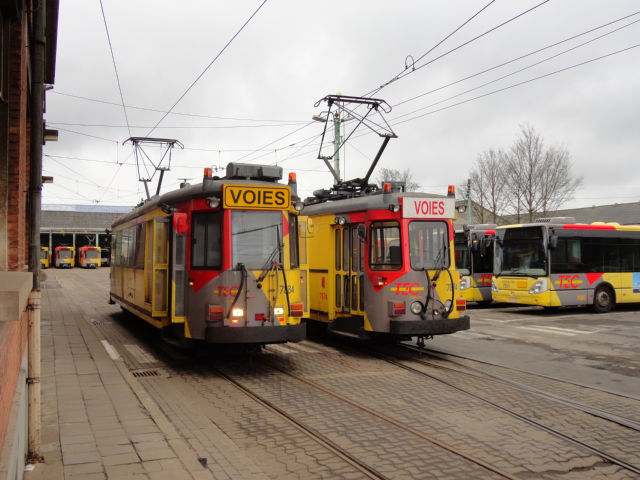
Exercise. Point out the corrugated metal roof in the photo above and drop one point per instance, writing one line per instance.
(77, 221)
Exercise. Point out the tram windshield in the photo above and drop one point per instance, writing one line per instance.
(463, 260)
(44, 254)
(64, 253)
(429, 245)
(91, 254)
(255, 237)
(521, 252)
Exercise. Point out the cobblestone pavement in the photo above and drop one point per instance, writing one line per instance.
(117, 403)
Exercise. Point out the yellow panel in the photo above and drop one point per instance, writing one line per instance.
(259, 198)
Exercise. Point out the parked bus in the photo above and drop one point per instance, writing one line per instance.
(217, 262)
(381, 264)
(44, 257)
(89, 257)
(474, 261)
(64, 257)
(557, 262)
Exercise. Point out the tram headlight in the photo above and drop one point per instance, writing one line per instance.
(395, 208)
(213, 202)
(278, 311)
(465, 283)
(494, 286)
(540, 286)
(416, 308)
(298, 206)
(447, 305)
(237, 312)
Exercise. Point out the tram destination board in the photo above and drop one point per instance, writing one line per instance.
(257, 197)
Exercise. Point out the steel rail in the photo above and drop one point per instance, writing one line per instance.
(595, 411)
(610, 458)
(396, 423)
(370, 472)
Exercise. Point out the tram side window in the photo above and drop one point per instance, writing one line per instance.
(139, 245)
(385, 252)
(206, 240)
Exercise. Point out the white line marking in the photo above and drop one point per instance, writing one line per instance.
(562, 331)
(111, 351)
(281, 349)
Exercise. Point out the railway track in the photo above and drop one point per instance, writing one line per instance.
(364, 467)
(624, 422)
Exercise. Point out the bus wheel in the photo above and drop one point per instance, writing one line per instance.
(603, 300)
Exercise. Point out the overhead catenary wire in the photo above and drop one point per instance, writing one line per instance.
(515, 72)
(115, 68)
(407, 72)
(539, 50)
(207, 67)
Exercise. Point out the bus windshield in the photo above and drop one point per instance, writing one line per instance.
(522, 252)
(463, 262)
(429, 245)
(256, 236)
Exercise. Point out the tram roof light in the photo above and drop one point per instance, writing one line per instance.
(292, 177)
(395, 208)
(451, 191)
(386, 187)
(340, 220)
(298, 206)
(208, 172)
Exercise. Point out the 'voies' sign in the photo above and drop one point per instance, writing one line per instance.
(252, 197)
(426, 207)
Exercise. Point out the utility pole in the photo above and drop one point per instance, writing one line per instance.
(468, 201)
(336, 144)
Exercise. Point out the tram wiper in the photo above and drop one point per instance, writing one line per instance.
(271, 260)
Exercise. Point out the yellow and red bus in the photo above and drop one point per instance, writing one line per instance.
(558, 262)
(217, 262)
(381, 263)
(474, 261)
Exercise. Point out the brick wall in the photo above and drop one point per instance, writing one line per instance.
(17, 231)
(13, 340)
(13, 333)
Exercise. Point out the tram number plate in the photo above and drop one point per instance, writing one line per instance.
(254, 197)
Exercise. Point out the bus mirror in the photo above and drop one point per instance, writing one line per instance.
(362, 231)
(553, 242)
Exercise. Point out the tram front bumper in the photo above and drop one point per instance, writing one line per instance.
(265, 334)
(429, 327)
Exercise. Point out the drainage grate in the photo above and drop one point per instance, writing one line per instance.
(146, 373)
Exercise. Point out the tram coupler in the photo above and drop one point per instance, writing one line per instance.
(421, 338)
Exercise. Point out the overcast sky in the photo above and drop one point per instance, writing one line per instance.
(255, 101)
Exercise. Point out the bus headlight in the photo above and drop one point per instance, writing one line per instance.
(494, 286)
(465, 283)
(416, 308)
(540, 286)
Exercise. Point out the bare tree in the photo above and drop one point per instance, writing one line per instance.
(393, 175)
(486, 186)
(538, 179)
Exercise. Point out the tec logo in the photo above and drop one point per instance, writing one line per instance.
(407, 288)
(225, 291)
(484, 280)
(568, 281)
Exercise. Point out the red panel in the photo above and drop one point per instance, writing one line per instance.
(588, 227)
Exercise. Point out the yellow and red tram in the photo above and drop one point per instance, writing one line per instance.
(89, 257)
(218, 262)
(64, 257)
(381, 264)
